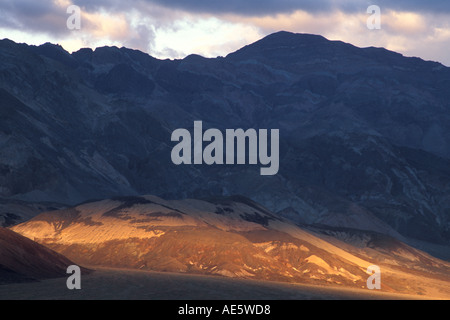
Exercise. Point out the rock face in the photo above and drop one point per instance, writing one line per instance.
(232, 237)
(22, 259)
(364, 135)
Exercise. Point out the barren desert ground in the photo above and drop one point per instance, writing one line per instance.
(122, 284)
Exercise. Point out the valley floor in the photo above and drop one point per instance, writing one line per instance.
(124, 284)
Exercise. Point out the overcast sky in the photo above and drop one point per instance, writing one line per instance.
(176, 28)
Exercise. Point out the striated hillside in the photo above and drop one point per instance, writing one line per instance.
(232, 237)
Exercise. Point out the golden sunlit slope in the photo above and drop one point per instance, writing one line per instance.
(232, 237)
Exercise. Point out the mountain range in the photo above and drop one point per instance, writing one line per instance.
(364, 134)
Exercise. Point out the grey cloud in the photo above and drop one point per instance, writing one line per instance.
(430, 6)
(109, 5)
(27, 15)
(46, 16)
(27, 7)
(258, 7)
(267, 7)
(247, 7)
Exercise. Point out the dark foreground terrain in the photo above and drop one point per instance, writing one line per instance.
(123, 284)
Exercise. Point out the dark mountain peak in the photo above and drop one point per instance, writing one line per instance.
(285, 37)
(286, 48)
(141, 58)
(106, 49)
(49, 45)
(13, 51)
(55, 52)
(107, 55)
(114, 55)
(83, 54)
(285, 45)
(5, 43)
(194, 58)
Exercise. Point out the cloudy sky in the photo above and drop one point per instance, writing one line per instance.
(176, 28)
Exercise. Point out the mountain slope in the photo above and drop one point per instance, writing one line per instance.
(364, 140)
(13, 212)
(24, 260)
(232, 237)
